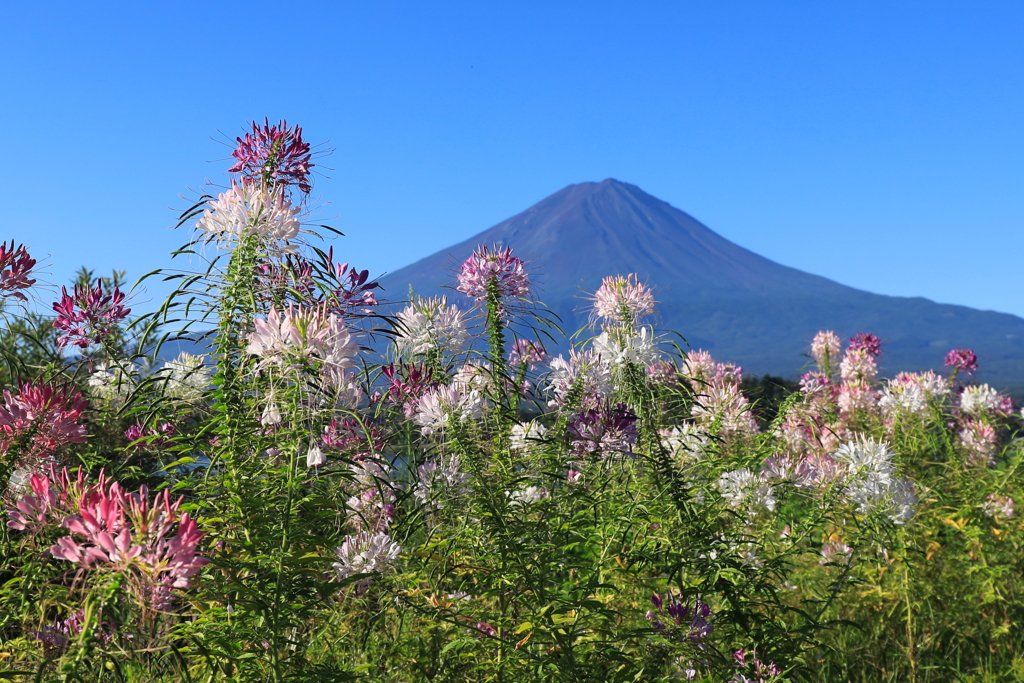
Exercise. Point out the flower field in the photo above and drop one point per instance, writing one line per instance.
(344, 489)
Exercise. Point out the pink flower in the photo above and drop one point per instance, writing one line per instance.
(825, 349)
(498, 269)
(623, 300)
(962, 360)
(528, 352)
(39, 420)
(15, 267)
(87, 316)
(141, 437)
(273, 155)
(113, 530)
(300, 335)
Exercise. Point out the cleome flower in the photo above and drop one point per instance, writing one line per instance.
(112, 530)
(438, 406)
(15, 268)
(365, 553)
(493, 268)
(273, 156)
(583, 379)
(962, 360)
(302, 336)
(623, 300)
(187, 377)
(252, 210)
(87, 316)
(430, 325)
(825, 349)
(40, 420)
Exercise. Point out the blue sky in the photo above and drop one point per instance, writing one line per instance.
(879, 144)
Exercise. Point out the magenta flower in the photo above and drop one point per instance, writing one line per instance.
(607, 431)
(40, 420)
(498, 269)
(349, 436)
(962, 360)
(15, 267)
(141, 437)
(87, 316)
(273, 155)
(407, 382)
(690, 620)
(867, 341)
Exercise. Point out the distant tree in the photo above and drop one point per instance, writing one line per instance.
(766, 394)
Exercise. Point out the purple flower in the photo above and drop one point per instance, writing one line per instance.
(140, 437)
(87, 316)
(497, 268)
(15, 267)
(962, 360)
(690, 620)
(611, 429)
(273, 155)
(867, 341)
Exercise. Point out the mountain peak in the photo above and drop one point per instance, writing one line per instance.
(744, 307)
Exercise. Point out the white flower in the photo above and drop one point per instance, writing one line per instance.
(858, 365)
(430, 324)
(998, 507)
(686, 443)
(314, 456)
(437, 478)
(111, 384)
(725, 404)
(979, 399)
(365, 553)
(271, 413)
(525, 437)
(187, 377)
(472, 376)
(583, 370)
(252, 209)
(437, 405)
(865, 455)
(871, 482)
(621, 347)
(742, 487)
(906, 399)
(529, 495)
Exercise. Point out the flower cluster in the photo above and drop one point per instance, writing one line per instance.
(527, 352)
(430, 325)
(39, 420)
(365, 553)
(825, 350)
(15, 268)
(623, 300)
(583, 380)
(113, 530)
(298, 336)
(495, 269)
(87, 315)
(871, 483)
(605, 431)
(962, 360)
(437, 407)
(688, 622)
(187, 377)
(252, 210)
(273, 155)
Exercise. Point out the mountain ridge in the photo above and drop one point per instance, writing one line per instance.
(720, 296)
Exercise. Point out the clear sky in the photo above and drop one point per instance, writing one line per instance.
(880, 144)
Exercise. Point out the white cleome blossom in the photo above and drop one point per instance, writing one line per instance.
(365, 553)
(252, 210)
(435, 408)
(903, 399)
(742, 488)
(430, 324)
(526, 437)
(584, 372)
(685, 443)
(871, 481)
(111, 384)
(980, 399)
(621, 347)
(527, 496)
(438, 479)
(187, 377)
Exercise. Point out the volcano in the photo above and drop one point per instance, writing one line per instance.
(719, 296)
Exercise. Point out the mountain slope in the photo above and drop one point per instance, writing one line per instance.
(721, 297)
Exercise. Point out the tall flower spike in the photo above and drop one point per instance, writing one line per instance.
(273, 156)
(15, 267)
(500, 267)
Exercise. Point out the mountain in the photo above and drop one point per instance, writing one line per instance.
(721, 297)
